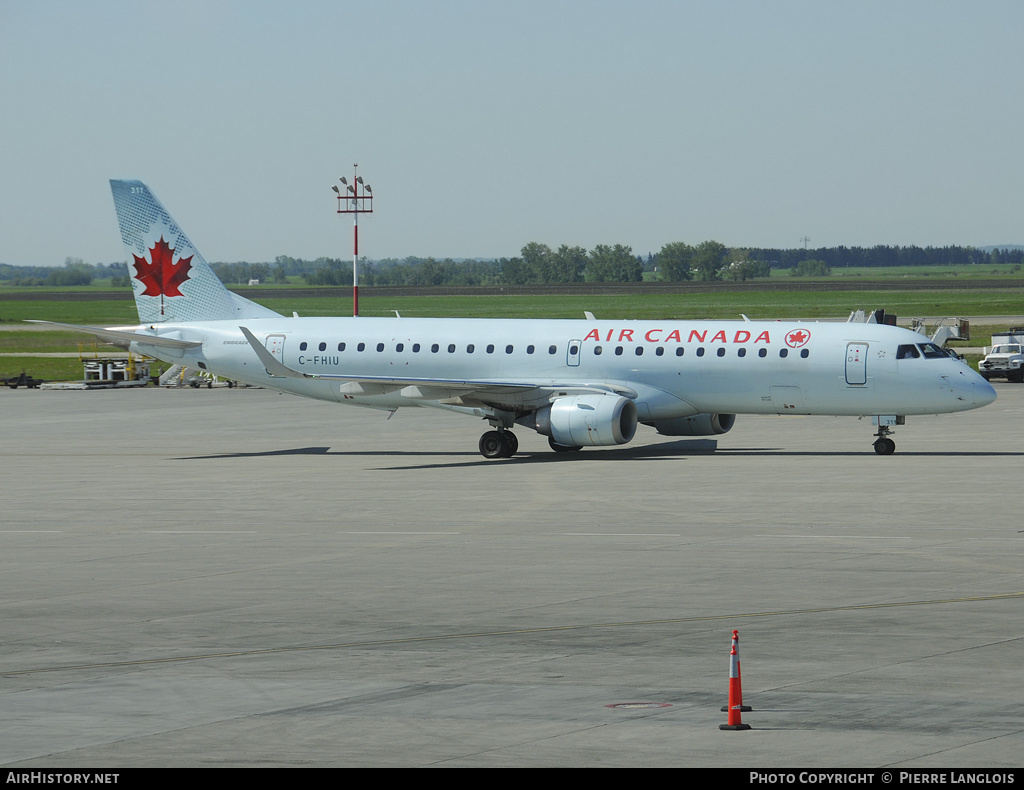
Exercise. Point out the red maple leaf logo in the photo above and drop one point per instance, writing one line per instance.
(797, 338)
(162, 277)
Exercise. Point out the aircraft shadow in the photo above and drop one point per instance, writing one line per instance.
(667, 451)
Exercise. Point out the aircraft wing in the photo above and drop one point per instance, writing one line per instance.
(507, 394)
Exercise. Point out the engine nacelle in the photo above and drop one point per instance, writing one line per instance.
(697, 425)
(587, 420)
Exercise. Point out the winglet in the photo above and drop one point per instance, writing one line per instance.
(274, 367)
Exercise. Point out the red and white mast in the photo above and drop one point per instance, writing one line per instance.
(355, 200)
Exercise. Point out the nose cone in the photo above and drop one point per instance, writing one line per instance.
(971, 389)
(984, 393)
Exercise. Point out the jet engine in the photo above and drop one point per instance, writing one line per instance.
(697, 425)
(586, 420)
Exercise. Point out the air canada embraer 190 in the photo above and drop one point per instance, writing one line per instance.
(579, 382)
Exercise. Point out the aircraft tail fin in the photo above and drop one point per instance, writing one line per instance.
(171, 280)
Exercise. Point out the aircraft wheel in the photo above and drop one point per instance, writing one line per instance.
(511, 443)
(493, 445)
(561, 448)
(885, 446)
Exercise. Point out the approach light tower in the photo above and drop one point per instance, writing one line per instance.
(355, 200)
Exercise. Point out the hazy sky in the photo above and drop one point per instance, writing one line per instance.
(485, 125)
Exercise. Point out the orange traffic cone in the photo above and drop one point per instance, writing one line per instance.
(739, 672)
(735, 691)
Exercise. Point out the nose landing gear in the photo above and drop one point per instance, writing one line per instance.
(883, 444)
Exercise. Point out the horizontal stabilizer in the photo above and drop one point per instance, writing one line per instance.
(120, 337)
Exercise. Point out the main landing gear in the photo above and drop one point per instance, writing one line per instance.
(504, 444)
(498, 444)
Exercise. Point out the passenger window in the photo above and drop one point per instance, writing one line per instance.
(361, 347)
(783, 352)
(470, 348)
(529, 349)
(341, 346)
(721, 352)
(618, 351)
(659, 351)
(741, 353)
(803, 353)
(762, 352)
(400, 347)
(380, 347)
(302, 346)
(451, 348)
(490, 349)
(415, 348)
(679, 351)
(508, 349)
(322, 346)
(597, 351)
(434, 348)
(639, 351)
(552, 349)
(700, 351)
(907, 352)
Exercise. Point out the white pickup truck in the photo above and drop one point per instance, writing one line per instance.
(1006, 356)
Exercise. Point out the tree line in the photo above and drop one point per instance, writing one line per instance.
(540, 264)
(74, 272)
(885, 255)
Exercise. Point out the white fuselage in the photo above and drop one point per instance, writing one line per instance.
(675, 368)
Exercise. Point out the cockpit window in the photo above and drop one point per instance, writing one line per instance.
(927, 350)
(932, 351)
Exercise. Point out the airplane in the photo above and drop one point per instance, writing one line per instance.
(581, 383)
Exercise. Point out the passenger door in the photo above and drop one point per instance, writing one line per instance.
(856, 363)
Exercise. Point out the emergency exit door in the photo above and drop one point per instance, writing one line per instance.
(572, 353)
(275, 345)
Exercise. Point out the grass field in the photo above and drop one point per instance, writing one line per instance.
(43, 368)
(756, 304)
(43, 342)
